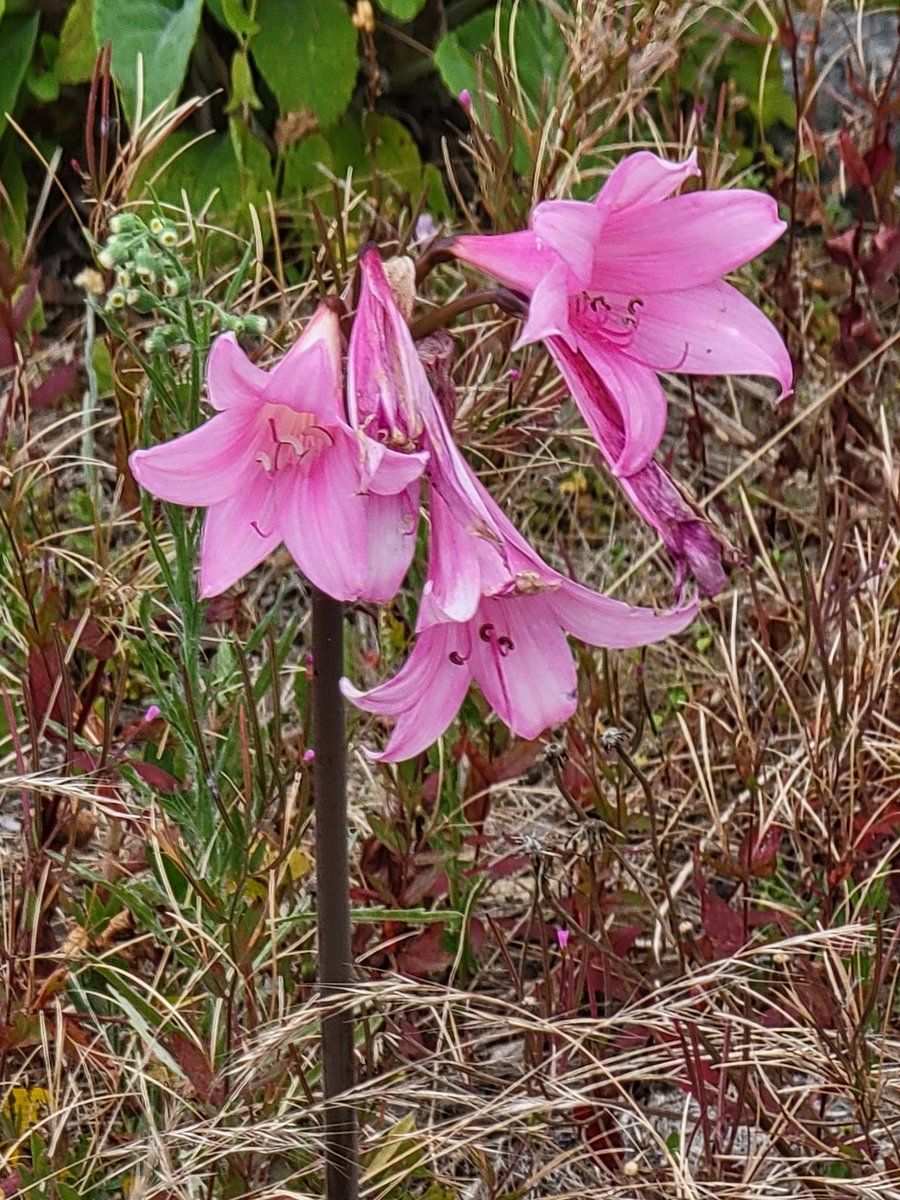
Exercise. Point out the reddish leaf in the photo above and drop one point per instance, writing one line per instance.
(194, 1063)
(155, 776)
(91, 638)
(60, 382)
(425, 954)
(844, 248)
(853, 161)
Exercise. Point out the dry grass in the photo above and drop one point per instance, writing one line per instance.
(721, 1022)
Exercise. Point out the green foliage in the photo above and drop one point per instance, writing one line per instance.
(160, 32)
(306, 52)
(18, 34)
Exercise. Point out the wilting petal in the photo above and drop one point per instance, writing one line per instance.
(232, 380)
(323, 521)
(710, 330)
(572, 228)
(643, 178)
(238, 533)
(548, 312)
(683, 242)
(201, 467)
(640, 399)
(601, 621)
(516, 259)
(523, 664)
(686, 535)
(424, 695)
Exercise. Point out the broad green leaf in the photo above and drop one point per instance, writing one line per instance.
(302, 165)
(306, 52)
(77, 48)
(17, 38)
(403, 10)
(392, 152)
(161, 31)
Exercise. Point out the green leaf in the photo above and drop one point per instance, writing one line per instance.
(239, 20)
(306, 52)
(392, 152)
(303, 164)
(17, 38)
(403, 10)
(77, 48)
(161, 31)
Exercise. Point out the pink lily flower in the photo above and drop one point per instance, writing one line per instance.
(279, 462)
(633, 282)
(492, 610)
(686, 534)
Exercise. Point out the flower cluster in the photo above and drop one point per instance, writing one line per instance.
(618, 290)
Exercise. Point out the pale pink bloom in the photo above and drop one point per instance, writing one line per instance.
(279, 462)
(492, 610)
(562, 937)
(685, 533)
(633, 281)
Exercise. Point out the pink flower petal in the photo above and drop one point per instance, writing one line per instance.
(709, 330)
(387, 472)
(523, 664)
(232, 380)
(308, 378)
(548, 312)
(683, 242)
(424, 695)
(238, 533)
(643, 178)
(201, 467)
(391, 523)
(453, 588)
(601, 621)
(323, 521)
(515, 259)
(640, 399)
(571, 228)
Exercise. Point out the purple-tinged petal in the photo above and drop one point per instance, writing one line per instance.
(308, 378)
(516, 259)
(683, 242)
(232, 380)
(523, 664)
(572, 228)
(201, 467)
(643, 178)
(640, 399)
(601, 621)
(424, 695)
(686, 534)
(238, 533)
(709, 330)
(322, 520)
(548, 312)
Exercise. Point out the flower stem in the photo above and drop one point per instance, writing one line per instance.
(333, 895)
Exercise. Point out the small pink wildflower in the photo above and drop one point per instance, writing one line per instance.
(279, 462)
(633, 282)
(562, 938)
(152, 713)
(309, 756)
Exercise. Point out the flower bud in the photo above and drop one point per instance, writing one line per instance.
(116, 300)
(125, 222)
(255, 325)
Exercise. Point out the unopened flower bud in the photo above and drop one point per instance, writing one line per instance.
(133, 296)
(125, 222)
(364, 16)
(105, 259)
(255, 325)
(172, 286)
(123, 279)
(91, 281)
